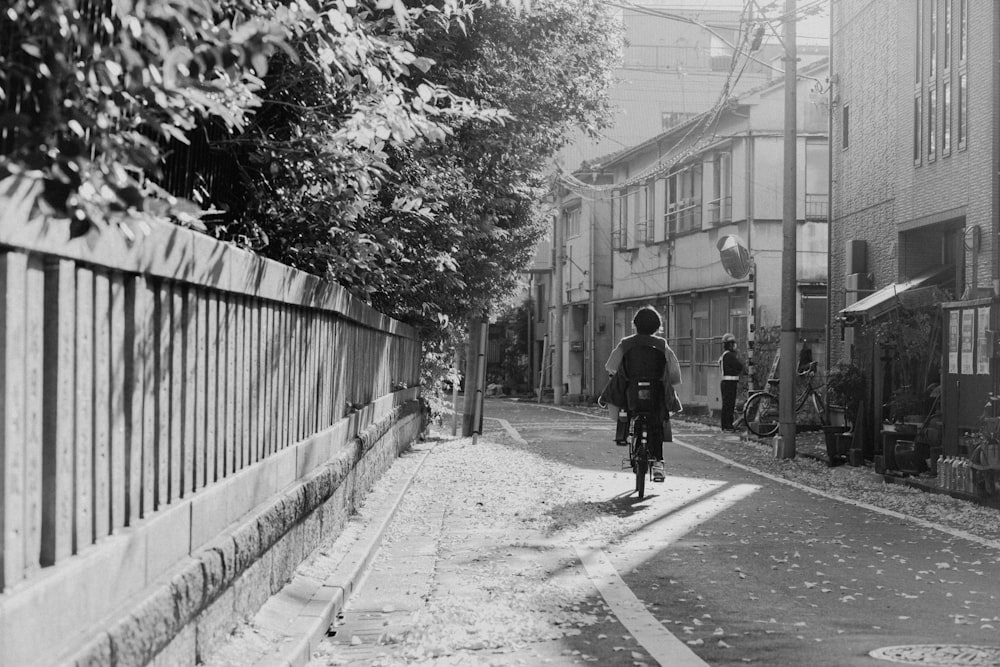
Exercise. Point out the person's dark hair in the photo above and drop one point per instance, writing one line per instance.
(647, 321)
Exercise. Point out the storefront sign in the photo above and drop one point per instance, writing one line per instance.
(953, 338)
(982, 341)
(968, 339)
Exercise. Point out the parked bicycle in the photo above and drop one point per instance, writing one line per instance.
(760, 414)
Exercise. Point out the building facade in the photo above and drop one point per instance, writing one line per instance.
(914, 166)
(676, 196)
(675, 64)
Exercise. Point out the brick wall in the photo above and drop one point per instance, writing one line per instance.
(879, 191)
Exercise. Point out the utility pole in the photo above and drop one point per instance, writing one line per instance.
(784, 442)
(557, 306)
(475, 376)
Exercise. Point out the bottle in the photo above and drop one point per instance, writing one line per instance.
(946, 473)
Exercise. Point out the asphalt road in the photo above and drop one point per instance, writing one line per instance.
(717, 565)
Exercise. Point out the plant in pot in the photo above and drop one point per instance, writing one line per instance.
(907, 409)
(845, 387)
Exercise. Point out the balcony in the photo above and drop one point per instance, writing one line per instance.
(817, 207)
(684, 216)
(720, 211)
(645, 232)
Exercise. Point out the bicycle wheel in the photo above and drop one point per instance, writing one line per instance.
(817, 401)
(640, 457)
(641, 468)
(761, 414)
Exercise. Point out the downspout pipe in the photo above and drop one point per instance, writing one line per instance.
(829, 200)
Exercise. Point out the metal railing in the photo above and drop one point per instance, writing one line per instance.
(720, 211)
(685, 216)
(817, 207)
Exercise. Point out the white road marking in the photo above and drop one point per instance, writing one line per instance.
(993, 544)
(511, 431)
(663, 646)
(668, 525)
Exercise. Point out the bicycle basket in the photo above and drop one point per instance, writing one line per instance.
(644, 395)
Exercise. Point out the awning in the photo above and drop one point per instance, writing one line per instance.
(882, 301)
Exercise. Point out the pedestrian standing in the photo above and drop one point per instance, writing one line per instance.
(730, 369)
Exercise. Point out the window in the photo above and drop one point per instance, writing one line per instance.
(961, 118)
(683, 200)
(721, 206)
(919, 60)
(946, 118)
(573, 222)
(963, 30)
(814, 304)
(650, 216)
(619, 234)
(917, 128)
(946, 55)
(845, 126)
(680, 342)
(962, 94)
(817, 192)
(704, 349)
(932, 123)
(932, 44)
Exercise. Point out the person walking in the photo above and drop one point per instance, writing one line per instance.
(730, 369)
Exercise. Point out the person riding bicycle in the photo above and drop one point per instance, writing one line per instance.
(730, 369)
(639, 356)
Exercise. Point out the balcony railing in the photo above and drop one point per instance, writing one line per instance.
(817, 207)
(720, 211)
(684, 216)
(645, 232)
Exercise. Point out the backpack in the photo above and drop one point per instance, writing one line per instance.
(644, 366)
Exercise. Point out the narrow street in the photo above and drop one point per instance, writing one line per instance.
(527, 547)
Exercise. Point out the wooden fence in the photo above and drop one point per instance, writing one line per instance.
(135, 374)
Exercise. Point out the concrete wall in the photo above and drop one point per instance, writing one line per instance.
(173, 412)
(183, 616)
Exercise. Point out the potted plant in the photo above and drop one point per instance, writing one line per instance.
(907, 409)
(845, 387)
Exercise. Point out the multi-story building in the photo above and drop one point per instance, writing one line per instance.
(675, 196)
(914, 165)
(676, 63)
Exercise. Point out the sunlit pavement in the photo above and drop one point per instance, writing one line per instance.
(717, 564)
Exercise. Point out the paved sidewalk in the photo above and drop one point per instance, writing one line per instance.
(291, 624)
(295, 625)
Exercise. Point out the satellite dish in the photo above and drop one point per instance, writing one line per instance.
(735, 256)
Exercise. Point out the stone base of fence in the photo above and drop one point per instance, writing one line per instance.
(182, 616)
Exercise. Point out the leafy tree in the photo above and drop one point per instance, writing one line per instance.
(431, 214)
(90, 95)
(399, 149)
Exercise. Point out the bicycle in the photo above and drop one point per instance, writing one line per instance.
(760, 413)
(638, 451)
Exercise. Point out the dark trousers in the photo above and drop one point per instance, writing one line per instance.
(728, 388)
(655, 429)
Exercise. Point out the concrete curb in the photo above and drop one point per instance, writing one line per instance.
(300, 614)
